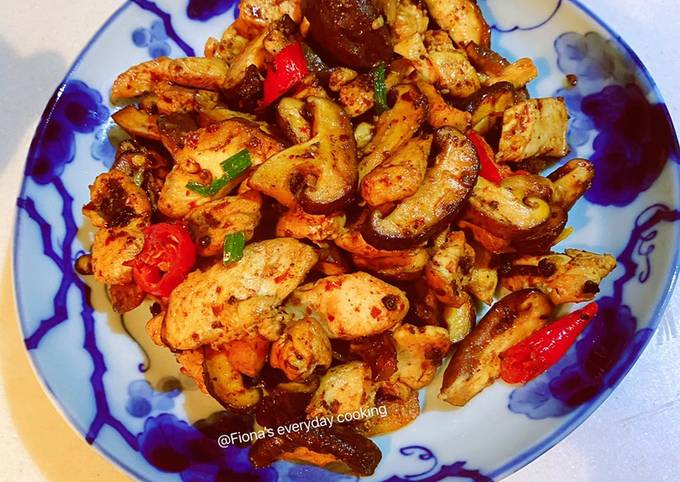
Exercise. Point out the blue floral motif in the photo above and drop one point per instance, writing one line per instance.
(102, 149)
(631, 134)
(437, 473)
(153, 38)
(166, 18)
(78, 109)
(610, 343)
(173, 445)
(144, 399)
(204, 10)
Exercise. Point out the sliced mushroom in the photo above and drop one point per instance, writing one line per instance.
(445, 189)
(350, 306)
(536, 127)
(449, 272)
(137, 123)
(571, 181)
(395, 127)
(398, 265)
(571, 277)
(226, 384)
(476, 363)
(319, 174)
(399, 176)
(320, 446)
(487, 105)
(515, 206)
(399, 414)
(420, 351)
(291, 120)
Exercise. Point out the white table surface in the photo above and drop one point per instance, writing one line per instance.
(634, 436)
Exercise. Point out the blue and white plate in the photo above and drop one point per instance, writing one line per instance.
(129, 400)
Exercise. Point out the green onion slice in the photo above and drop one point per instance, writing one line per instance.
(233, 247)
(379, 88)
(233, 167)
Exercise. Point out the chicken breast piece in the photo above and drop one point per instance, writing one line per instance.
(257, 14)
(343, 389)
(462, 19)
(197, 72)
(302, 349)
(536, 127)
(229, 302)
(350, 306)
(114, 247)
(191, 365)
(571, 277)
(420, 351)
(211, 222)
(449, 272)
(116, 201)
(295, 223)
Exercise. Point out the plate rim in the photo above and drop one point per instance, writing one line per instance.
(514, 464)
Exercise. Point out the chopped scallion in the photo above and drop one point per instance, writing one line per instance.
(233, 247)
(379, 88)
(233, 167)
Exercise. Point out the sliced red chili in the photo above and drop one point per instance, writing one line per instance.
(288, 68)
(168, 255)
(529, 358)
(488, 168)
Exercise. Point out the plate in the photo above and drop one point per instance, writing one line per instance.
(127, 397)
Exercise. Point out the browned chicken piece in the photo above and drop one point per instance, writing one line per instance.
(440, 113)
(225, 303)
(168, 98)
(399, 176)
(420, 351)
(357, 96)
(125, 297)
(536, 127)
(459, 321)
(456, 73)
(196, 72)
(449, 271)
(248, 354)
(571, 277)
(519, 74)
(116, 201)
(295, 223)
(257, 14)
(399, 414)
(476, 363)
(410, 18)
(413, 49)
(302, 349)
(403, 265)
(343, 389)
(153, 329)
(212, 221)
(228, 47)
(395, 127)
(200, 161)
(350, 306)
(226, 384)
(462, 19)
(112, 249)
(137, 123)
(191, 365)
(341, 76)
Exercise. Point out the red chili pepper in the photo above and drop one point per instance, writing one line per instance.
(488, 168)
(167, 257)
(535, 355)
(287, 70)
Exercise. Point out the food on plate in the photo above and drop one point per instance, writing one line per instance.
(320, 206)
